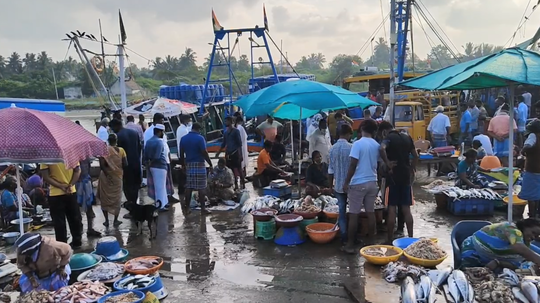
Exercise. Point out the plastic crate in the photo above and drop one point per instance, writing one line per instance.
(278, 192)
(471, 207)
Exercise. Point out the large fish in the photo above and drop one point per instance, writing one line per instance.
(425, 286)
(470, 298)
(510, 277)
(530, 291)
(461, 282)
(453, 289)
(432, 294)
(408, 293)
(519, 295)
(442, 276)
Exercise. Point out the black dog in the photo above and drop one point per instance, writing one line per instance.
(142, 213)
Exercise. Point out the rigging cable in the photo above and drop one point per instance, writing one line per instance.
(281, 53)
(437, 23)
(452, 53)
(427, 38)
(382, 17)
(521, 23)
(364, 46)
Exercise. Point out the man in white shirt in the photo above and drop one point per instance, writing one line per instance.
(269, 129)
(439, 128)
(486, 143)
(103, 131)
(319, 141)
(183, 129)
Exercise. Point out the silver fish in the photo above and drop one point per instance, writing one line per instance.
(443, 276)
(461, 282)
(510, 277)
(470, 298)
(425, 286)
(432, 293)
(519, 295)
(453, 289)
(408, 294)
(530, 291)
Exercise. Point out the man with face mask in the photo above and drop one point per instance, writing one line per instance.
(183, 129)
(320, 141)
(156, 162)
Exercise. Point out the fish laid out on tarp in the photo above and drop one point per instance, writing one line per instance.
(408, 292)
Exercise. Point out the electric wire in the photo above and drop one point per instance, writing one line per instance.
(375, 32)
(522, 22)
(419, 22)
(437, 23)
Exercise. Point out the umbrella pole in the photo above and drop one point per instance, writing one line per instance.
(511, 157)
(300, 155)
(19, 199)
(292, 143)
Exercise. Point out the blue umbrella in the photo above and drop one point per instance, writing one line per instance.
(299, 99)
(506, 68)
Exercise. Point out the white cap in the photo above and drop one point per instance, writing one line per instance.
(160, 126)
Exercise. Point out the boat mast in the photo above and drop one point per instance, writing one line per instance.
(121, 52)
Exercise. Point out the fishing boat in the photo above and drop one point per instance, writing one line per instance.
(53, 106)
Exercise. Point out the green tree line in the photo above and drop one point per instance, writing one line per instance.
(32, 75)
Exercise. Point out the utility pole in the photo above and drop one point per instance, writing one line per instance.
(122, 80)
(55, 86)
(393, 42)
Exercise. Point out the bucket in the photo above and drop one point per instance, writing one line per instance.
(265, 229)
(305, 223)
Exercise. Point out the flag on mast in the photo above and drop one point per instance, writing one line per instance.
(265, 18)
(215, 23)
(123, 34)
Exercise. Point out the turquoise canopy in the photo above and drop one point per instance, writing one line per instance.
(509, 66)
(299, 99)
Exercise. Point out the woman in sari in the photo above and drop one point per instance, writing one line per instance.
(109, 190)
(503, 245)
(467, 170)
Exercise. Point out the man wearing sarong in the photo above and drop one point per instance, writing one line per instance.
(156, 163)
(439, 128)
(531, 177)
(85, 197)
(128, 140)
(499, 130)
(192, 156)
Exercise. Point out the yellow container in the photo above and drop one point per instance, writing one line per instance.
(516, 201)
(424, 262)
(381, 260)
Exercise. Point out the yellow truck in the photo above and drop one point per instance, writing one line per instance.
(414, 108)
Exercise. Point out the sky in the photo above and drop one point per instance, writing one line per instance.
(166, 27)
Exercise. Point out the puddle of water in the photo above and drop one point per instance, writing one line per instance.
(243, 274)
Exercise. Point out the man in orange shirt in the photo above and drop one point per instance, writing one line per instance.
(267, 169)
(499, 130)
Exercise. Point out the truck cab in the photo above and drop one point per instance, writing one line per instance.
(409, 117)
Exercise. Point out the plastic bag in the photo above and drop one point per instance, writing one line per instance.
(150, 298)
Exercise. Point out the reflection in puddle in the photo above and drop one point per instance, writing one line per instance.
(242, 274)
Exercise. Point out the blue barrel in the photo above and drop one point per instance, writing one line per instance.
(210, 92)
(170, 92)
(221, 90)
(356, 113)
(162, 91)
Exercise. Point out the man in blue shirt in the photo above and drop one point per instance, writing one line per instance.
(475, 113)
(465, 125)
(154, 156)
(522, 115)
(192, 156)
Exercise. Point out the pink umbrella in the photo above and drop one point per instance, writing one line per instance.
(31, 136)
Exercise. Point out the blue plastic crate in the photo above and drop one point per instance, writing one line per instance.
(471, 207)
(278, 192)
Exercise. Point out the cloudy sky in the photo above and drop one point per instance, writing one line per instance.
(162, 27)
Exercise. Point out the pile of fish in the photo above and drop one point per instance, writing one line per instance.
(332, 209)
(80, 292)
(380, 252)
(397, 271)
(423, 291)
(262, 213)
(136, 282)
(459, 287)
(142, 264)
(105, 271)
(323, 201)
(123, 298)
(260, 202)
(484, 193)
(425, 249)
(36, 296)
(289, 205)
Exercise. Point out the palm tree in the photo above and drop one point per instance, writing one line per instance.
(469, 51)
(14, 65)
(29, 62)
(43, 60)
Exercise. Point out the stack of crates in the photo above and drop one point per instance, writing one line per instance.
(471, 207)
(193, 93)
